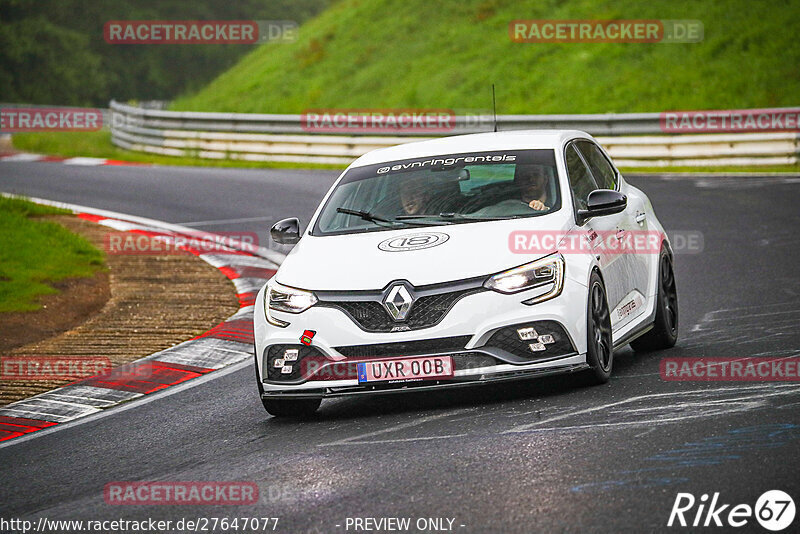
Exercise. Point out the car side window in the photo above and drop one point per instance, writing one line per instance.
(580, 179)
(601, 169)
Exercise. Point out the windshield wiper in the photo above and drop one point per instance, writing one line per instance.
(371, 217)
(458, 217)
(367, 216)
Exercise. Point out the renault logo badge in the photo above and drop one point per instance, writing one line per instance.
(398, 302)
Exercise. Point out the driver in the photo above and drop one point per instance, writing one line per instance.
(532, 181)
(414, 196)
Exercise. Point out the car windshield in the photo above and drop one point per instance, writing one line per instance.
(446, 189)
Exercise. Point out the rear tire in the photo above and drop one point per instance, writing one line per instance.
(599, 345)
(295, 408)
(664, 333)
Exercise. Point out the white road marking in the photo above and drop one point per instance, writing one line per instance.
(705, 407)
(91, 162)
(38, 415)
(397, 440)
(226, 221)
(23, 157)
(416, 422)
(762, 390)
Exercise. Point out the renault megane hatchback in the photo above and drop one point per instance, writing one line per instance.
(460, 261)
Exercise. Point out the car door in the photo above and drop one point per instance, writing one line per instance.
(582, 182)
(627, 232)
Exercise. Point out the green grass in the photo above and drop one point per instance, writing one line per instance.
(35, 253)
(98, 145)
(416, 53)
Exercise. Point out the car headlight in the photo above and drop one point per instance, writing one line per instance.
(548, 271)
(286, 299)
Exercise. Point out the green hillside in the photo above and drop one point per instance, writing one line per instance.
(53, 51)
(418, 53)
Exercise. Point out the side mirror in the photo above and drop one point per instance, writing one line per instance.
(286, 231)
(602, 202)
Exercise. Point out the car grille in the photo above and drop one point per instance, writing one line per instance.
(507, 339)
(426, 311)
(405, 348)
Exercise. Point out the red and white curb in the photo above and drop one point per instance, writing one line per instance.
(226, 344)
(81, 161)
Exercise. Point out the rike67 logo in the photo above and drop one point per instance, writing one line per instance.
(774, 510)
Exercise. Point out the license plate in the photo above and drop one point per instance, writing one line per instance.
(407, 369)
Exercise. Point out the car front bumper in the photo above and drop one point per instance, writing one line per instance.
(478, 331)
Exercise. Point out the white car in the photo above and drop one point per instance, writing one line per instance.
(464, 260)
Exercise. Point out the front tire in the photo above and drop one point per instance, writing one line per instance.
(297, 408)
(599, 345)
(664, 333)
(294, 408)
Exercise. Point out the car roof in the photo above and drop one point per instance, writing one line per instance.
(481, 142)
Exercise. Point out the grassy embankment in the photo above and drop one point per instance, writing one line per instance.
(420, 54)
(35, 253)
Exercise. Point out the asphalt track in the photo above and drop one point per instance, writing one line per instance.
(536, 456)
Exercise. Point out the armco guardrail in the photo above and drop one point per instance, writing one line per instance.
(268, 137)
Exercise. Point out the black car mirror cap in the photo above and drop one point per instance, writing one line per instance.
(286, 231)
(602, 202)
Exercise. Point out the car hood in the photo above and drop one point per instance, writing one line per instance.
(373, 259)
